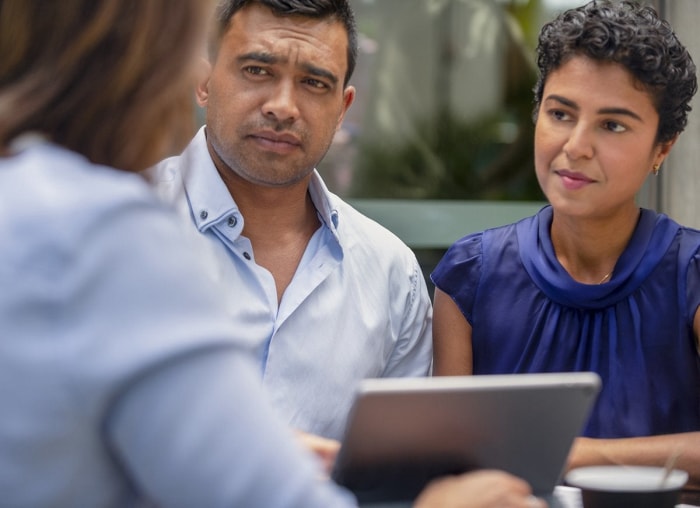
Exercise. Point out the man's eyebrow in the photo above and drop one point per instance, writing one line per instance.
(321, 73)
(604, 111)
(257, 56)
(267, 58)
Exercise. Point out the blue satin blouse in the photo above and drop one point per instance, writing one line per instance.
(528, 315)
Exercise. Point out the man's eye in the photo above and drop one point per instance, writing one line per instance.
(255, 70)
(315, 83)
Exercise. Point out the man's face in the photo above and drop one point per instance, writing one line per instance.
(275, 95)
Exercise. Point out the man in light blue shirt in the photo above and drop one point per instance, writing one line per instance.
(327, 295)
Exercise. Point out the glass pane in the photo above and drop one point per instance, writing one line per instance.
(444, 101)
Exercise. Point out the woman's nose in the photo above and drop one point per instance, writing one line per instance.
(580, 142)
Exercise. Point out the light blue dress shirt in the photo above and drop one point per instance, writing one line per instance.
(357, 306)
(122, 381)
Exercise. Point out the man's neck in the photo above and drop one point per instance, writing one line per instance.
(279, 222)
(275, 213)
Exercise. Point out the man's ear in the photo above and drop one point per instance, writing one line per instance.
(203, 74)
(348, 98)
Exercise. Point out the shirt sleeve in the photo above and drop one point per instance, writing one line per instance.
(693, 286)
(459, 271)
(198, 432)
(413, 352)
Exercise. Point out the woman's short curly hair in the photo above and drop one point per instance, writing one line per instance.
(634, 36)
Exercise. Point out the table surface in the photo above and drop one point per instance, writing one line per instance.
(568, 497)
(690, 497)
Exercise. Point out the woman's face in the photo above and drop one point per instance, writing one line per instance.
(595, 138)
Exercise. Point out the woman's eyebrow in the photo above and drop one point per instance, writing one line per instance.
(603, 111)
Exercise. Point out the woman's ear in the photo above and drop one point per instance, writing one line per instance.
(665, 149)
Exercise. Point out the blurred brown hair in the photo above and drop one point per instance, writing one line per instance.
(110, 79)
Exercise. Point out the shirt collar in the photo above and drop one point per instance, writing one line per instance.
(211, 202)
(325, 203)
(207, 193)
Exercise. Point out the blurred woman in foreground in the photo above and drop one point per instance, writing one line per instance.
(121, 380)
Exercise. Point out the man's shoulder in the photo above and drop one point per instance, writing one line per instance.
(357, 228)
(164, 171)
(169, 173)
(166, 179)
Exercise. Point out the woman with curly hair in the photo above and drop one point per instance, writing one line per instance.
(593, 282)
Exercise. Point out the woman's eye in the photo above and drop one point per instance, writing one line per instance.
(615, 127)
(558, 114)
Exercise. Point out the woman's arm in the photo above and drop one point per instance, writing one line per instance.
(696, 329)
(643, 451)
(452, 338)
(199, 431)
(647, 451)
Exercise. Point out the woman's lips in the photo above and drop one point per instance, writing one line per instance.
(573, 180)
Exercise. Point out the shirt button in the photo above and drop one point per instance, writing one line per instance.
(246, 255)
(232, 221)
(203, 214)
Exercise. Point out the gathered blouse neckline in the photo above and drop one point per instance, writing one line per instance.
(650, 240)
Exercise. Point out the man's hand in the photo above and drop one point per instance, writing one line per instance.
(479, 489)
(324, 448)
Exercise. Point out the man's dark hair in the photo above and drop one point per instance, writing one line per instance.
(339, 10)
(634, 36)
